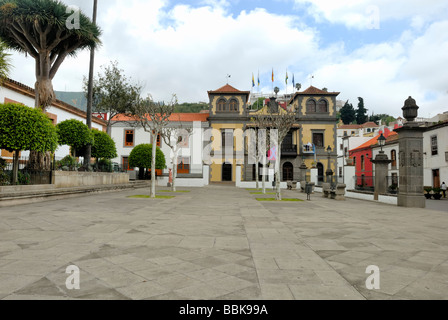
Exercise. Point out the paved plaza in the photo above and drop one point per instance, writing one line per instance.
(219, 242)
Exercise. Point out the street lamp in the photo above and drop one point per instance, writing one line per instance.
(329, 172)
(381, 142)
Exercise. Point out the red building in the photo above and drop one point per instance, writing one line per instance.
(362, 159)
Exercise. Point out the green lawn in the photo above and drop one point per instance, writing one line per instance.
(262, 193)
(284, 199)
(149, 197)
(179, 191)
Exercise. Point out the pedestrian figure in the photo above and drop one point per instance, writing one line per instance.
(443, 187)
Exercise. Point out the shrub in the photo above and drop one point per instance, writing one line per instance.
(141, 157)
(69, 162)
(104, 146)
(105, 165)
(24, 178)
(75, 134)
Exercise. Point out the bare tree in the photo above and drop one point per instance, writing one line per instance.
(154, 117)
(176, 138)
(280, 122)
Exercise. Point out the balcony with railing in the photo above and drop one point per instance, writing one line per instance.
(308, 149)
(289, 150)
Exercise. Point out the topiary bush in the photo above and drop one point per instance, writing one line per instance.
(104, 146)
(75, 134)
(141, 157)
(24, 128)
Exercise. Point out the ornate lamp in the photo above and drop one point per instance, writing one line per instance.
(329, 172)
(381, 142)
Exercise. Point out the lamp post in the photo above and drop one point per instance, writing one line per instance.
(382, 142)
(329, 172)
(381, 168)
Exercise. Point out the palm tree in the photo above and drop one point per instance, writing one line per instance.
(44, 29)
(5, 66)
(48, 31)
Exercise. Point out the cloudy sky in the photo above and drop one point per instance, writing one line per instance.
(381, 50)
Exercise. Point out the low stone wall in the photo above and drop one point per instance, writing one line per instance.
(67, 179)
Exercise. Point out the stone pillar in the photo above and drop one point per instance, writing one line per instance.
(313, 175)
(410, 141)
(381, 165)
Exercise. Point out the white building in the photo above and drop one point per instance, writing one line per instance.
(127, 134)
(15, 92)
(435, 154)
(392, 151)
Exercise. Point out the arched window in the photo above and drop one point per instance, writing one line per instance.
(288, 171)
(362, 163)
(221, 105)
(233, 105)
(322, 107)
(393, 156)
(311, 106)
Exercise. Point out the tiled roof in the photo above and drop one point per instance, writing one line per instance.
(313, 91)
(30, 92)
(175, 117)
(373, 141)
(228, 89)
(370, 124)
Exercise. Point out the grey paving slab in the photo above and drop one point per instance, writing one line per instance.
(218, 242)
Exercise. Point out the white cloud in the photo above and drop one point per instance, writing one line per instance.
(359, 13)
(188, 50)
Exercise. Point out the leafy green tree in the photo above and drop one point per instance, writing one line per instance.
(5, 65)
(361, 112)
(141, 157)
(48, 31)
(259, 104)
(104, 146)
(348, 113)
(113, 93)
(24, 128)
(75, 134)
(385, 118)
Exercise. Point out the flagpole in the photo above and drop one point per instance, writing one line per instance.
(258, 89)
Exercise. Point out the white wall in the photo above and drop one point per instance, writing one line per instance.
(388, 151)
(437, 161)
(62, 115)
(193, 151)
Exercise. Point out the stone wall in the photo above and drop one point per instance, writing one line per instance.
(67, 179)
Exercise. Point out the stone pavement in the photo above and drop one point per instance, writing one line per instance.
(220, 243)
